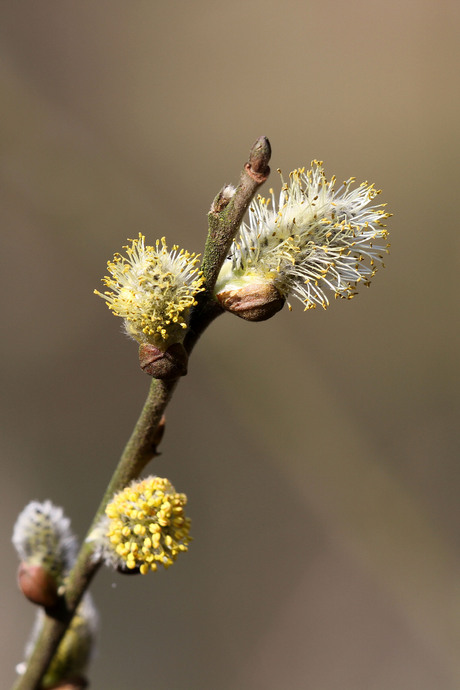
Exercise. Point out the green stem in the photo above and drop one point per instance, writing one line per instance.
(227, 213)
(224, 220)
(140, 448)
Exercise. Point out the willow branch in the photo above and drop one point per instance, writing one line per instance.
(224, 220)
(140, 448)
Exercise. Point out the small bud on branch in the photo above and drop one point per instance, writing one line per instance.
(47, 549)
(165, 365)
(37, 585)
(257, 166)
(254, 302)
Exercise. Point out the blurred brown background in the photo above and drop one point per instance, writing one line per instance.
(319, 450)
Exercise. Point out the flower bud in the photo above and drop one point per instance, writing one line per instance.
(169, 364)
(257, 301)
(259, 156)
(47, 549)
(38, 585)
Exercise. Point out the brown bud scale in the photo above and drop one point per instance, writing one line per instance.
(37, 585)
(166, 365)
(257, 302)
(257, 166)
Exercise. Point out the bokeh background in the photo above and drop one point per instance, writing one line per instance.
(319, 450)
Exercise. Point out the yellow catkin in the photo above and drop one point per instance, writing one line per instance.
(153, 290)
(147, 525)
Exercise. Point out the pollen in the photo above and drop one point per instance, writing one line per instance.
(158, 532)
(153, 290)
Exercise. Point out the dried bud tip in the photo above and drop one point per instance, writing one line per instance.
(254, 302)
(37, 585)
(222, 199)
(259, 157)
(167, 365)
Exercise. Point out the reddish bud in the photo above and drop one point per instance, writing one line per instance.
(259, 156)
(37, 585)
(254, 302)
(163, 365)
